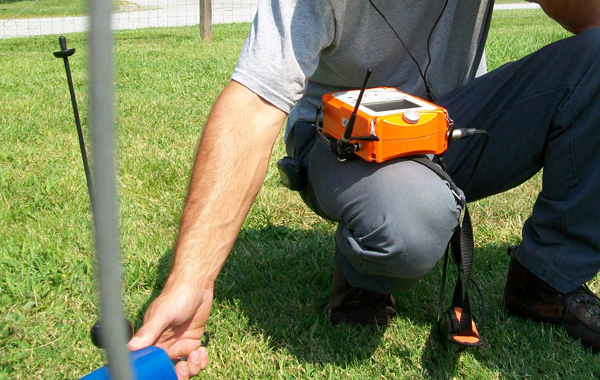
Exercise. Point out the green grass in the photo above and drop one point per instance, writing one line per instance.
(53, 8)
(267, 320)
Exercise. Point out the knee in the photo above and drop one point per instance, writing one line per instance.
(414, 247)
(405, 254)
(404, 235)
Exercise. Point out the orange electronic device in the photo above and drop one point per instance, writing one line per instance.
(387, 123)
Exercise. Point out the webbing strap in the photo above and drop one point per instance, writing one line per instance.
(437, 169)
(328, 142)
(460, 326)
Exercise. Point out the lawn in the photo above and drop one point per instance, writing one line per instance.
(267, 320)
(53, 8)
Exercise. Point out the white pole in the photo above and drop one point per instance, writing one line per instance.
(105, 207)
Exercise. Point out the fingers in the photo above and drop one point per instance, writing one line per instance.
(175, 322)
(183, 347)
(197, 361)
(146, 335)
(182, 371)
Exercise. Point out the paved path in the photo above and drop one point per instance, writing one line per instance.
(153, 13)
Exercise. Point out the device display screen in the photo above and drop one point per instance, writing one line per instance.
(397, 104)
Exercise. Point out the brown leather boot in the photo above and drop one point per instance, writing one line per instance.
(528, 297)
(357, 306)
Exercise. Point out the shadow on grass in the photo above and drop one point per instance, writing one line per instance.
(275, 286)
(163, 267)
(280, 280)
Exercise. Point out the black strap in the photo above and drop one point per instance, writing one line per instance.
(460, 330)
(460, 326)
(328, 142)
(438, 169)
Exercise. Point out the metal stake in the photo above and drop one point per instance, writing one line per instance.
(65, 53)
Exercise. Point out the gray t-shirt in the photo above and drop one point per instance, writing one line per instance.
(299, 50)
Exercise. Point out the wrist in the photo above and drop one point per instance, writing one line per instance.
(179, 281)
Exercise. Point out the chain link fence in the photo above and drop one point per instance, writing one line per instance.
(22, 18)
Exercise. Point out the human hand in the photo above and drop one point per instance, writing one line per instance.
(175, 322)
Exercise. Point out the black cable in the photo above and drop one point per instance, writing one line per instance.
(428, 83)
(423, 73)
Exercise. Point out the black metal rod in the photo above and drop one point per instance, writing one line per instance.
(350, 126)
(344, 142)
(65, 53)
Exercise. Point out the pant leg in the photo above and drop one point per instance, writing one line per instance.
(394, 219)
(540, 111)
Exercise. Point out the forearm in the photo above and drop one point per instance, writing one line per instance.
(228, 172)
(574, 15)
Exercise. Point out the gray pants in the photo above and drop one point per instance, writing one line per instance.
(396, 218)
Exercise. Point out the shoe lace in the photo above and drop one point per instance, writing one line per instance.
(584, 298)
(359, 297)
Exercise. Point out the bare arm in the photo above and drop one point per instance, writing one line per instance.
(574, 15)
(229, 170)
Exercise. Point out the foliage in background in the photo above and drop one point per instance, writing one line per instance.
(268, 319)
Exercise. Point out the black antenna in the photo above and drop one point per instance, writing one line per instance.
(65, 53)
(342, 148)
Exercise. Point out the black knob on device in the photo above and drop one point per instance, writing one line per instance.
(95, 333)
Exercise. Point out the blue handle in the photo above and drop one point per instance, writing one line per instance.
(147, 364)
